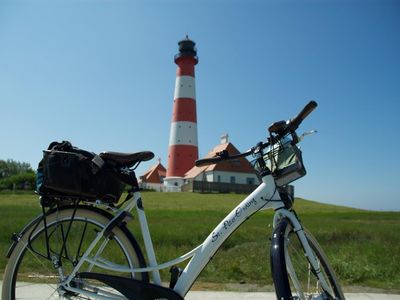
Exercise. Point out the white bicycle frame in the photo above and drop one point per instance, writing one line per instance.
(263, 197)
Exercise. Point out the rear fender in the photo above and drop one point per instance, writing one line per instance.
(15, 237)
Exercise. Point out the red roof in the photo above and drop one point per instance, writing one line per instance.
(240, 165)
(155, 174)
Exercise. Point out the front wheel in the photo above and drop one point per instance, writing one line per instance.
(293, 275)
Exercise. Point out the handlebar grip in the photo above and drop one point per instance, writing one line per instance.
(207, 161)
(295, 122)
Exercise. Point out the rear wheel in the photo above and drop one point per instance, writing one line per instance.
(293, 275)
(35, 271)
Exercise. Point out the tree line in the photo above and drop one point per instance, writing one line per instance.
(15, 175)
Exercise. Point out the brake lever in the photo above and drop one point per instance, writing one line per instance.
(310, 132)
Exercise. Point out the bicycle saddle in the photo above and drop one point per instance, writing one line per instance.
(126, 159)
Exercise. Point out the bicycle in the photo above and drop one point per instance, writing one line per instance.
(78, 248)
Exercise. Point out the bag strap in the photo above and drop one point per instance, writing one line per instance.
(63, 146)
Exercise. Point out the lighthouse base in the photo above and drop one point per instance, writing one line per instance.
(173, 183)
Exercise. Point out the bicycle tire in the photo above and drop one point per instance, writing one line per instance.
(27, 266)
(287, 254)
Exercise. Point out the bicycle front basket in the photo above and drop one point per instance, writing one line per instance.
(285, 162)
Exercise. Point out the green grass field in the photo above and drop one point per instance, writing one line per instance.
(363, 246)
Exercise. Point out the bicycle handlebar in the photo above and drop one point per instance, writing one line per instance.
(290, 127)
(208, 161)
(221, 156)
(296, 121)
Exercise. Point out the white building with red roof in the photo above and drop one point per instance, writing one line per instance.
(153, 179)
(231, 175)
(237, 171)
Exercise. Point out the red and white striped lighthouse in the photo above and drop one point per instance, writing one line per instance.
(183, 148)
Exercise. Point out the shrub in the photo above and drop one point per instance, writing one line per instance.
(21, 181)
(11, 167)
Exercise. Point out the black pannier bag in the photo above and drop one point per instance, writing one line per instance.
(66, 171)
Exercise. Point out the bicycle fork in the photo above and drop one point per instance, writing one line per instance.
(298, 229)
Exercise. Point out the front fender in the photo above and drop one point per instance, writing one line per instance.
(277, 260)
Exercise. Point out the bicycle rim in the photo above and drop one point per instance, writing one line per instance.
(30, 274)
(296, 279)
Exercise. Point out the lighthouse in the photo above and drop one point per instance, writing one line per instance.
(183, 147)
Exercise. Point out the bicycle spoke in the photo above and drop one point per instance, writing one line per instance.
(303, 279)
(40, 261)
(292, 272)
(52, 295)
(81, 241)
(34, 274)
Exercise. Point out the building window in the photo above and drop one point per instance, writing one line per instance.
(233, 179)
(219, 178)
(250, 180)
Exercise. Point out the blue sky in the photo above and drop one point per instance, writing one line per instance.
(101, 74)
